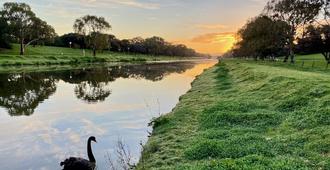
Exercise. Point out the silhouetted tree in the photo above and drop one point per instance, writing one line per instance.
(311, 42)
(295, 13)
(262, 37)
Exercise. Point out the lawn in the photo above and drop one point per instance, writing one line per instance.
(45, 55)
(246, 115)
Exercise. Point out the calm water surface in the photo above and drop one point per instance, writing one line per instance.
(46, 117)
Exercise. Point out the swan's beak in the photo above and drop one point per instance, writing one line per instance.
(95, 141)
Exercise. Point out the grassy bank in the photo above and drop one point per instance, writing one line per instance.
(44, 55)
(246, 115)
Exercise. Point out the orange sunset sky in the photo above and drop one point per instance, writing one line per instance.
(208, 26)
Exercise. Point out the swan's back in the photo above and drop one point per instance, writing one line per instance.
(74, 163)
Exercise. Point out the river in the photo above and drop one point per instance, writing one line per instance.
(47, 116)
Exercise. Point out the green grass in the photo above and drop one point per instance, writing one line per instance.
(44, 55)
(310, 62)
(246, 115)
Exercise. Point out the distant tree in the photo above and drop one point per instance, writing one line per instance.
(137, 45)
(125, 45)
(91, 26)
(26, 27)
(77, 40)
(154, 45)
(102, 42)
(295, 13)
(114, 43)
(181, 50)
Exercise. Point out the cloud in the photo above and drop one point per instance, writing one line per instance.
(211, 26)
(135, 3)
(214, 38)
(129, 3)
(211, 43)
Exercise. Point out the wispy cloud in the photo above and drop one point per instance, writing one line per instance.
(129, 3)
(215, 38)
(135, 3)
(212, 43)
(211, 26)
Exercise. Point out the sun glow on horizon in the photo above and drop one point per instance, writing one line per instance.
(207, 26)
(213, 43)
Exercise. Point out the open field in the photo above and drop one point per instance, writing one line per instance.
(44, 55)
(247, 115)
(310, 62)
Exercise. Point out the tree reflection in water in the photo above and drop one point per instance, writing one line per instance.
(21, 93)
(92, 92)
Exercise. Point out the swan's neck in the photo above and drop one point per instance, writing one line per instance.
(89, 151)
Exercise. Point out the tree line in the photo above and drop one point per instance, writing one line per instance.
(19, 24)
(286, 28)
(107, 42)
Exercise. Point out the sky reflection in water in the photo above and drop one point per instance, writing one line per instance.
(46, 117)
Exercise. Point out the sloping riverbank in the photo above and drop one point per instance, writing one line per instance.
(242, 115)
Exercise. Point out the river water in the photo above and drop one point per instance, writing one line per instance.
(46, 117)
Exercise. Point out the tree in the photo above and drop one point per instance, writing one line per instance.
(4, 34)
(154, 45)
(114, 43)
(325, 30)
(26, 27)
(40, 30)
(76, 40)
(325, 34)
(295, 13)
(102, 42)
(262, 37)
(91, 26)
(125, 45)
(137, 45)
(311, 42)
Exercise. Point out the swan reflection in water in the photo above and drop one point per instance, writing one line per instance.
(76, 163)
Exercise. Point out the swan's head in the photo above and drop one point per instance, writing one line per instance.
(92, 138)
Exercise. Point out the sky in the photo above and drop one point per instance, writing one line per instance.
(208, 26)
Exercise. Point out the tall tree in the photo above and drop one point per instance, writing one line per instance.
(262, 37)
(295, 13)
(91, 26)
(26, 27)
(19, 16)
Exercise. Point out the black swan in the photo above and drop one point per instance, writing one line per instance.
(74, 163)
